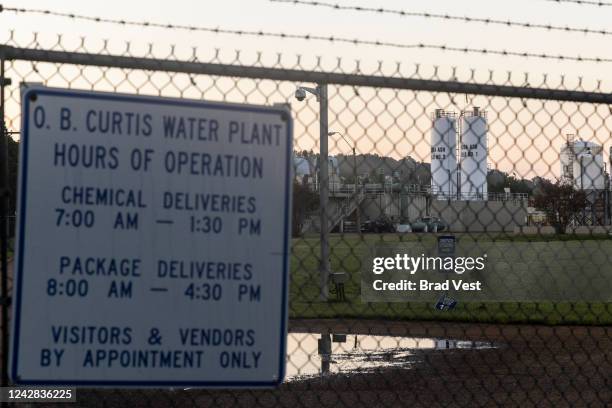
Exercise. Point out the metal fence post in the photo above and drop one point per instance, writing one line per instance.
(324, 192)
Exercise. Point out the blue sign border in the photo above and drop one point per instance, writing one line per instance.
(26, 99)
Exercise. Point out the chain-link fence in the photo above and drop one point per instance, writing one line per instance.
(451, 170)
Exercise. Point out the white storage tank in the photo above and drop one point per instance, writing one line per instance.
(473, 185)
(582, 164)
(333, 170)
(443, 155)
(301, 167)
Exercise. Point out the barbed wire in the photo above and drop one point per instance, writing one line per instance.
(444, 16)
(314, 37)
(583, 2)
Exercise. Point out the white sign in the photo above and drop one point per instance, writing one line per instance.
(153, 241)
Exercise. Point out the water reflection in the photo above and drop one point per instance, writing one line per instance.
(311, 354)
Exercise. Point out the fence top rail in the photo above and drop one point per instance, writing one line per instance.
(295, 75)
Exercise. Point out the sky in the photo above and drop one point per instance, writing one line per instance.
(263, 14)
(300, 19)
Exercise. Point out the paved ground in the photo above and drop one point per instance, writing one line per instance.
(536, 366)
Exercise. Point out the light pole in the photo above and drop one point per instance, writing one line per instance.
(354, 147)
(321, 93)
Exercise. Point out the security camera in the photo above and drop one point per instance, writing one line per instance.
(300, 94)
(301, 91)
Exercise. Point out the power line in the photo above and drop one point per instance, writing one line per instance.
(583, 2)
(315, 37)
(443, 16)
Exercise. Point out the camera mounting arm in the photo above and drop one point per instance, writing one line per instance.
(300, 93)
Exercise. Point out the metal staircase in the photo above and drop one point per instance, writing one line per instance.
(346, 208)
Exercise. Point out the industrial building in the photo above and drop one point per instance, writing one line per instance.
(582, 164)
(458, 192)
(459, 189)
(465, 179)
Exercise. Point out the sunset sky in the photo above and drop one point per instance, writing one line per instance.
(510, 127)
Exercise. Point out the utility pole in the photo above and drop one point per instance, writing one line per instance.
(324, 191)
(321, 93)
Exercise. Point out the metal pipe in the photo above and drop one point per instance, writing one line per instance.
(294, 75)
(581, 173)
(324, 191)
(355, 188)
(584, 221)
(357, 212)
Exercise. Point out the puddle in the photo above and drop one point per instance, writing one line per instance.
(308, 353)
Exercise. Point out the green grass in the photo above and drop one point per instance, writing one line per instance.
(347, 253)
